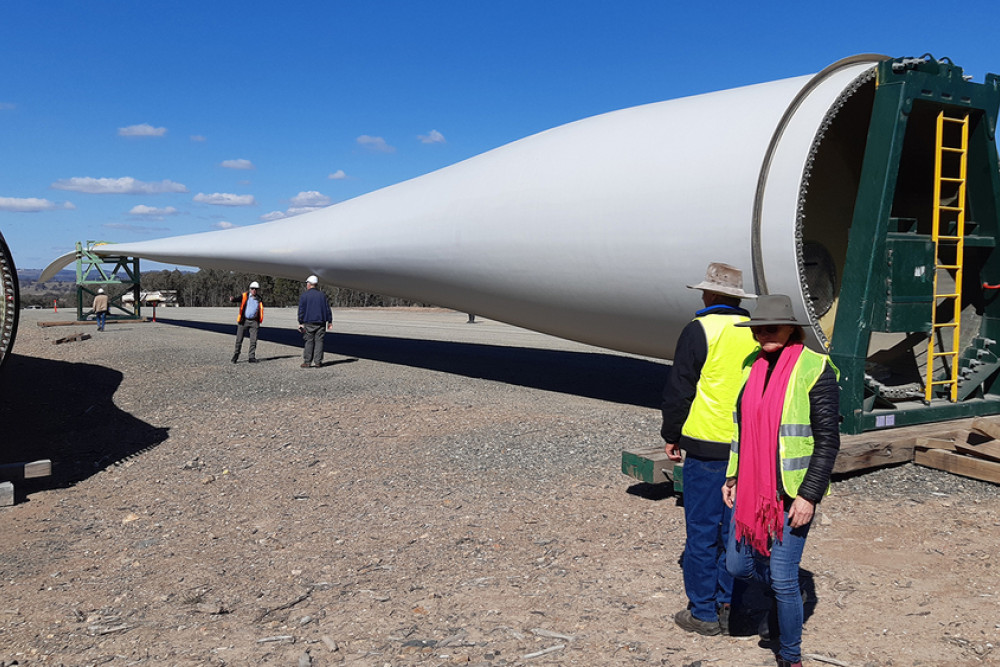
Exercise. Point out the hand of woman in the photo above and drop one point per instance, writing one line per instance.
(729, 493)
(801, 512)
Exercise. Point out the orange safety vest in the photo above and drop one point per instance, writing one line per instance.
(243, 306)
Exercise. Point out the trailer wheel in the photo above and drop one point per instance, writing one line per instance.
(10, 301)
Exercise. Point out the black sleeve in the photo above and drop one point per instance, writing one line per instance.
(824, 418)
(689, 357)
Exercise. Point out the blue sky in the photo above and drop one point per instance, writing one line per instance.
(126, 121)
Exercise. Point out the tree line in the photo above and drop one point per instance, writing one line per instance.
(212, 287)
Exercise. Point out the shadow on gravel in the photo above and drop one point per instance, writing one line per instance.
(64, 412)
(608, 377)
(655, 492)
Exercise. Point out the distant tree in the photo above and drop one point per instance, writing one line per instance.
(212, 288)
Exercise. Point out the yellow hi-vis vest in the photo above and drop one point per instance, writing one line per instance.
(711, 415)
(795, 439)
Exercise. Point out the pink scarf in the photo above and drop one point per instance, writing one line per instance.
(759, 513)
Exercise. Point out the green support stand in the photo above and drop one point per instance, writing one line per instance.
(94, 272)
(882, 288)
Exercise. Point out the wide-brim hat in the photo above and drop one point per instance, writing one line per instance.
(772, 309)
(724, 279)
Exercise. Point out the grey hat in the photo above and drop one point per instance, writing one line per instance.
(723, 279)
(772, 309)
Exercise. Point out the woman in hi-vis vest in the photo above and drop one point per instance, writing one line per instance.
(786, 440)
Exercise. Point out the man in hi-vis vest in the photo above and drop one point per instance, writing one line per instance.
(698, 403)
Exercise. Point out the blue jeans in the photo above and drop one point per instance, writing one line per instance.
(707, 583)
(102, 317)
(780, 572)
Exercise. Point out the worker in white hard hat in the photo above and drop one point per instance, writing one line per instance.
(101, 308)
(248, 321)
(315, 319)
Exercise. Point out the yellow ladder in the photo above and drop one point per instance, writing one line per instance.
(948, 232)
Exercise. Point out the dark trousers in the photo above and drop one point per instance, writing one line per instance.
(706, 581)
(312, 337)
(251, 328)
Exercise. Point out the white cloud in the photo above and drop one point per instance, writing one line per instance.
(143, 130)
(304, 202)
(222, 224)
(237, 164)
(338, 175)
(376, 144)
(139, 229)
(31, 205)
(299, 210)
(311, 199)
(7, 106)
(432, 137)
(152, 211)
(225, 199)
(198, 137)
(117, 186)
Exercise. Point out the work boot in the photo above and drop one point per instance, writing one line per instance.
(768, 626)
(725, 610)
(236, 358)
(787, 663)
(686, 621)
(252, 360)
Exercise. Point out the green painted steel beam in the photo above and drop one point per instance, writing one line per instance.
(926, 414)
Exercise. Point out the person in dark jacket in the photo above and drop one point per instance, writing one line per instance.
(698, 402)
(315, 319)
(248, 321)
(787, 439)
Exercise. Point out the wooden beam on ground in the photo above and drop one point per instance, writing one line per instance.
(946, 444)
(70, 323)
(987, 450)
(874, 449)
(71, 339)
(32, 470)
(873, 453)
(647, 464)
(987, 426)
(967, 466)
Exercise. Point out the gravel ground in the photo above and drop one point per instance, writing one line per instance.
(439, 493)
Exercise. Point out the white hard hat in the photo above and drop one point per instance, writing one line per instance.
(100, 290)
(312, 280)
(254, 285)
